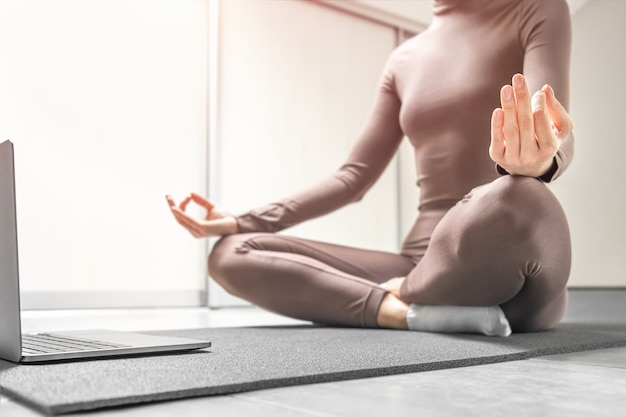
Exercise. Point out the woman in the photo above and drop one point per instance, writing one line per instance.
(490, 249)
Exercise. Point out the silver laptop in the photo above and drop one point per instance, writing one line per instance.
(43, 347)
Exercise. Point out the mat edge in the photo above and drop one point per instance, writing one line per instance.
(61, 409)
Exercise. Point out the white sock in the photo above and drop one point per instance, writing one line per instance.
(489, 321)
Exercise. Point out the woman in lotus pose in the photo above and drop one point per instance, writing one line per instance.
(490, 248)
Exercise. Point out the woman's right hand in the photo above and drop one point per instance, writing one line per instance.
(217, 222)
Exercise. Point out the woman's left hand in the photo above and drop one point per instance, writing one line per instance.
(526, 132)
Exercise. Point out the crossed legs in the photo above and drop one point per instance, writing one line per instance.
(506, 243)
(305, 279)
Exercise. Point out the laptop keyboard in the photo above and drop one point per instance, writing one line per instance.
(46, 343)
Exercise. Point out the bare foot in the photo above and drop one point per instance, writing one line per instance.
(392, 313)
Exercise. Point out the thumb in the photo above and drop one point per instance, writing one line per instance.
(561, 119)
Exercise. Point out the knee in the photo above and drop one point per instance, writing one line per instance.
(526, 194)
(524, 203)
(508, 195)
(518, 190)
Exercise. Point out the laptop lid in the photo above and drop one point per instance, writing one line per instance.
(11, 339)
(10, 326)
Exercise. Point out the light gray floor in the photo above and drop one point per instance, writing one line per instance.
(579, 384)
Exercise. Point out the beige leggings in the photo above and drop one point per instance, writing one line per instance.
(506, 243)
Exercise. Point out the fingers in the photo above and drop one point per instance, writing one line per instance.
(170, 201)
(184, 203)
(192, 225)
(527, 131)
(518, 117)
(561, 119)
(200, 200)
(197, 198)
(523, 140)
(188, 222)
(546, 141)
(510, 127)
(497, 148)
(525, 121)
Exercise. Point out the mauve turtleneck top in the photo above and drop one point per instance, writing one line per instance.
(439, 89)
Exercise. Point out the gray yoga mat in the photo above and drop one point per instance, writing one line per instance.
(244, 359)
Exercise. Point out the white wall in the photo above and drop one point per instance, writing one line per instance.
(106, 104)
(297, 82)
(304, 104)
(592, 191)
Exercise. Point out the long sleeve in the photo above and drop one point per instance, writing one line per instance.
(546, 37)
(374, 148)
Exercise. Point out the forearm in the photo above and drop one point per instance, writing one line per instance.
(346, 185)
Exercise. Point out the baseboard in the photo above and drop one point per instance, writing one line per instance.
(56, 300)
(596, 288)
(53, 300)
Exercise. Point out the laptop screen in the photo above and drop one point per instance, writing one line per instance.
(10, 326)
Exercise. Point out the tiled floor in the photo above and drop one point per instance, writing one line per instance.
(579, 384)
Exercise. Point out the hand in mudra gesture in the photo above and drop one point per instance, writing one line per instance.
(217, 222)
(527, 132)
